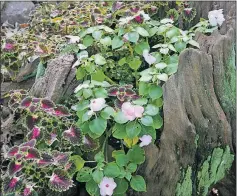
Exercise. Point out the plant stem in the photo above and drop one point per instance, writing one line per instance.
(109, 80)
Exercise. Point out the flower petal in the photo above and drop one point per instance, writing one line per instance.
(60, 181)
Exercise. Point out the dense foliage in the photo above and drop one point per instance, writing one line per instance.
(124, 52)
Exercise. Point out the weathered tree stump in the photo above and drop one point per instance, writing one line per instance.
(199, 114)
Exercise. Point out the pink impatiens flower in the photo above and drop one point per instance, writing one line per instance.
(132, 111)
(97, 104)
(107, 186)
(146, 140)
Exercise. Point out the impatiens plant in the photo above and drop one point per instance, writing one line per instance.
(124, 56)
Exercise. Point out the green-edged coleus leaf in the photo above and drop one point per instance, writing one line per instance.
(31, 121)
(73, 135)
(45, 160)
(60, 111)
(36, 133)
(189, 14)
(30, 143)
(26, 102)
(89, 144)
(14, 167)
(13, 151)
(29, 191)
(31, 153)
(11, 185)
(46, 104)
(60, 158)
(50, 138)
(60, 180)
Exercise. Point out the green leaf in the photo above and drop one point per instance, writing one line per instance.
(141, 46)
(92, 187)
(117, 42)
(87, 41)
(143, 88)
(120, 118)
(194, 43)
(133, 129)
(78, 161)
(111, 170)
(97, 176)
(148, 131)
(157, 55)
(87, 93)
(143, 32)
(85, 117)
(106, 41)
(171, 68)
(81, 73)
(82, 105)
(121, 31)
(97, 34)
(153, 31)
(107, 112)
(133, 37)
(132, 167)
(98, 76)
(151, 110)
(136, 154)
(99, 60)
(135, 63)
(119, 131)
(98, 126)
(157, 121)
(122, 186)
(100, 93)
(161, 29)
(155, 92)
(138, 183)
(99, 157)
(140, 101)
(121, 160)
(180, 46)
(84, 175)
(174, 31)
(122, 61)
(117, 152)
(128, 176)
(147, 120)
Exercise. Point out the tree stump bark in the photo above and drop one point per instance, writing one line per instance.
(199, 114)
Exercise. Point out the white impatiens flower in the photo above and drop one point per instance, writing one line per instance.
(97, 104)
(146, 140)
(145, 16)
(81, 86)
(148, 57)
(73, 39)
(107, 186)
(216, 17)
(161, 65)
(163, 77)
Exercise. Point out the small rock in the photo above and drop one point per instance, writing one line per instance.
(16, 12)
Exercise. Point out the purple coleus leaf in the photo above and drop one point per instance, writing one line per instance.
(12, 185)
(47, 104)
(60, 181)
(13, 151)
(31, 121)
(19, 156)
(122, 93)
(14, 167)
(60, 158)
(33, 108)
(73, 135)
(29, 191)
(36, 133)
(89, 144)
(50, 138)
(26, 102)
(36, 100)
(46, 159)
(61, 111)
(30, 143)
(32, 154)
